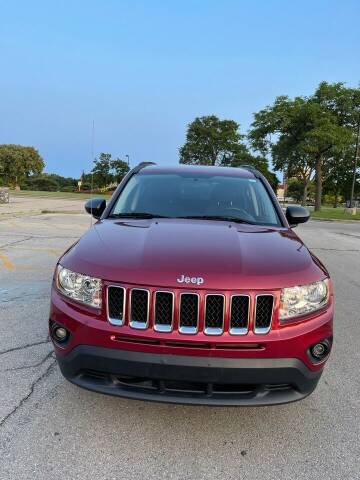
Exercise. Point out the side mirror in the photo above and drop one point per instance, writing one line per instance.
(95, 207)
(296, 214)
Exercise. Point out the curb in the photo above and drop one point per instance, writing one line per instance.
(318, 219)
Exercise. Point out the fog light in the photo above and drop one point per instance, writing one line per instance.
(319, 350)
(60, 334)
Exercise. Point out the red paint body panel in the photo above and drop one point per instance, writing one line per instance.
(226, 255)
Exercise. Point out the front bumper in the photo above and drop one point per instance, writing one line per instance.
(188, 379)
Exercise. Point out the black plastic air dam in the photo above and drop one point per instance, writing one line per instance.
(188, 379)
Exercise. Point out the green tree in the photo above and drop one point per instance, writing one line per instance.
(295, 190)
(102, 170)
(296, 164)
(302, 135)
(211, 141)
(45, 183)
(87, 181)
(119, 169)
(106, 171)
(18, 162)
(344, 103)
(68, 182)
(285, 118)
(339, 177)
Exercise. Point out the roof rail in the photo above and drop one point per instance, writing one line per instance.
(252, 169)
(142, 165)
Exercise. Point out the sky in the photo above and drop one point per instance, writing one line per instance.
(143, 70)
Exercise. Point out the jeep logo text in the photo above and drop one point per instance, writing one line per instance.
(196, 280)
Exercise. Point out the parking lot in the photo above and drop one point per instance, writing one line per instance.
(50, 429)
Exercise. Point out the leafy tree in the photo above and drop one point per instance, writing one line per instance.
(87, 181)
(211, 141)
(102, 170)
(119, 169)
(295, 190)
(344, 103)
(302, 166)
(18, 162)
(49, 182)
(40, 183)
(339, 177)
(341, 101)
(297, 165)
(284, 119)
(86, 186)
(106, 171)
(302, 135)
(64, 181)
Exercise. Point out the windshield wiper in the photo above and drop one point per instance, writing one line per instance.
(147, 215)
(136, 215)
(218, 217)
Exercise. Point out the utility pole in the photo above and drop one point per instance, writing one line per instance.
(92, 164)
(357, 155)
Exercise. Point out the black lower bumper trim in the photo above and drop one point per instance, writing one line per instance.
(188, 379)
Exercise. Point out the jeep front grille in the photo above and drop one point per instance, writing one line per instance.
(239, 314)
(163, 311)
(190, 312)
(263, 313)
(139, 308)
(214, 314)
(116, 304)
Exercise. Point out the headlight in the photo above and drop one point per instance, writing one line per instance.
(81, 288)
(300, 300)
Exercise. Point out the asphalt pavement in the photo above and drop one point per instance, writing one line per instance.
(50, 429)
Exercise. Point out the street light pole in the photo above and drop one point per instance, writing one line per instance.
(128, 159)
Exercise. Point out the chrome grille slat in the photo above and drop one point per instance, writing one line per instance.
(139, 308)
(189, 313)
(163, 311)
(214, 314)
(239, 314)
(264, 307)
(116, 302)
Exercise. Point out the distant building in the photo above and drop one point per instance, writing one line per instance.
(280, 191)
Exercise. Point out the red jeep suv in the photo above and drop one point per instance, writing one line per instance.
(193, 288)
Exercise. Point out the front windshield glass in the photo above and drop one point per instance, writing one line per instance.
(179, 195)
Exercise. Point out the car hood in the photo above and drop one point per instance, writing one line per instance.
(226, 255)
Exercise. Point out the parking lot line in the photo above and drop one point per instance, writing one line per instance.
(6, 262)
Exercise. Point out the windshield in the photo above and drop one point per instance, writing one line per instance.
(196, 196)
